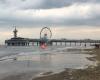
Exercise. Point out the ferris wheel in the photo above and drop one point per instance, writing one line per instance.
(45, 33)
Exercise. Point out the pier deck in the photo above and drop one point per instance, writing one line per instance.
(56, 41)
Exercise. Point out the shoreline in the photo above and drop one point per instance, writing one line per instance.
(90, 73)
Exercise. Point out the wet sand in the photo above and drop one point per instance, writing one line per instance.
(90, 73)
(19, 76)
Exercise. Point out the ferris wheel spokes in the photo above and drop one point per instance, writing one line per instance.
(45, 36)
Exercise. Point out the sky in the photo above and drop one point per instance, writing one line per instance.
(71, 19)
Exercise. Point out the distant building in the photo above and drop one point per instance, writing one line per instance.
(17, 41)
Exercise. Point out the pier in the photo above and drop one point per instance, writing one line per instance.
(61, 42)
(19, 41)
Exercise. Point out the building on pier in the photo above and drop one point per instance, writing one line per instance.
(17, 41)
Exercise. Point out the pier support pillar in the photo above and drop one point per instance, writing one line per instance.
(37, 43)
(65, 43)
(85, 45)
(60, 43)
(56, 43)
(80, 43)
(75, 43)
(70, 43)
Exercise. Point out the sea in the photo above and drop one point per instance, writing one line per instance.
(20, 59)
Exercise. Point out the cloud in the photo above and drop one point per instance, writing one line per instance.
(41, 4)
(77, 14)
(51, 12)
(39, 13)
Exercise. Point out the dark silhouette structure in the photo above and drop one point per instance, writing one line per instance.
(15, 33)
(17, 41)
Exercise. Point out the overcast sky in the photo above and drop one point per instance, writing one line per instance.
(75, 18)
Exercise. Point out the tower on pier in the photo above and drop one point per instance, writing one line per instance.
(17, 41)
(15, 32)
